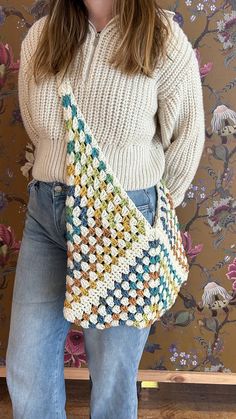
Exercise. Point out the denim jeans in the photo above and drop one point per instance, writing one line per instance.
(38, 330)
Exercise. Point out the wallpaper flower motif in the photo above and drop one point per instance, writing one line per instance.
(74, 354)
(9, 246)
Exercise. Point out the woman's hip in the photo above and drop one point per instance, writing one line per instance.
(47, 205)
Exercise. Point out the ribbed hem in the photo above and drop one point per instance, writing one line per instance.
(136, 167)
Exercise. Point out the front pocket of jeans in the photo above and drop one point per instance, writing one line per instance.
(140, 199)
(31, 184)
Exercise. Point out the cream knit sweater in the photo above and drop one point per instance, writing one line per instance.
(122, 112)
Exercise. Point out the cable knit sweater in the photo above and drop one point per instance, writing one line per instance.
(122, 112)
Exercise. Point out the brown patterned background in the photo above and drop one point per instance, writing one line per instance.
(198, 333)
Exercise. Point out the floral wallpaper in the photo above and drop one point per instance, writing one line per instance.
(197, 333)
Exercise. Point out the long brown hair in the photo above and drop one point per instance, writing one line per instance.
(143, 36)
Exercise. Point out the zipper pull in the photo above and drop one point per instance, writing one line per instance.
(96, 39)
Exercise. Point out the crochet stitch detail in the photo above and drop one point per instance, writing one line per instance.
(120, 269)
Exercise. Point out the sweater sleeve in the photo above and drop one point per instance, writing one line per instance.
(23, 97)
(182, 129)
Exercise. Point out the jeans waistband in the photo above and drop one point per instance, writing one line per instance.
(54, 184)
(62, 187)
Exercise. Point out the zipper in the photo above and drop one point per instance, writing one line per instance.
(95, 42)
(96, 39)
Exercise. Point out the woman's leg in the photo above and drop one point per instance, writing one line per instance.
(35, 352)
(113, 357)
(114, 354)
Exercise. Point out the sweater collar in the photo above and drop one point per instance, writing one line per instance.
(112, 22)
(106, 27)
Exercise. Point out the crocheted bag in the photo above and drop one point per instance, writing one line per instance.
(120, 269)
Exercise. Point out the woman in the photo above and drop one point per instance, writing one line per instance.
(146, 110)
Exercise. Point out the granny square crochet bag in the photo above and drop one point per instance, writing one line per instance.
(120, 269)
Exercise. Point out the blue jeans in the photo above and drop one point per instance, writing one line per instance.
(35, 352)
